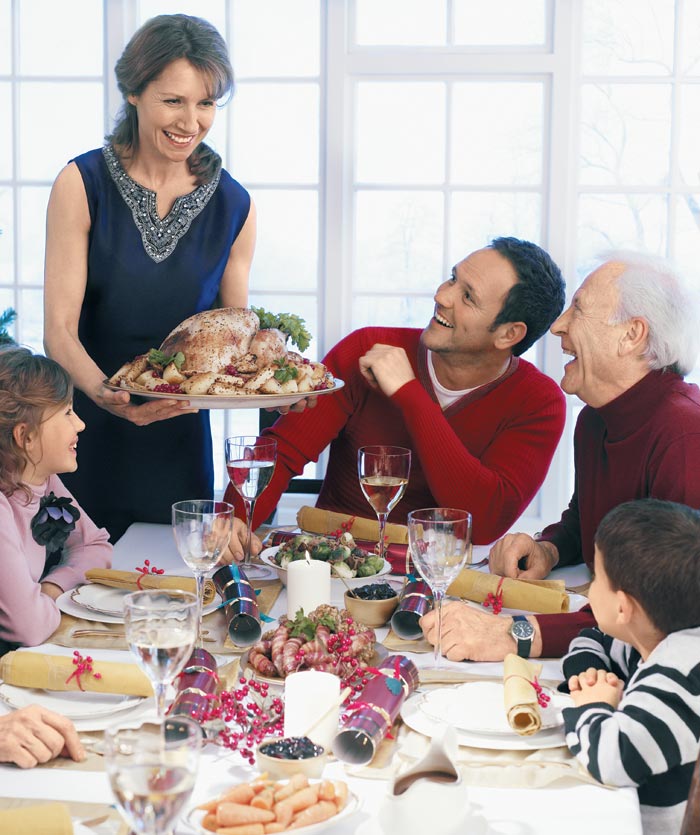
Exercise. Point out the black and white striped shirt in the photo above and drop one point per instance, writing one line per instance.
(651, 741)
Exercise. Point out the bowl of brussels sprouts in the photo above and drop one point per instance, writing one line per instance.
(348, 561)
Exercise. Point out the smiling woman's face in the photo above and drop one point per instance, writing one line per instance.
(175, 111)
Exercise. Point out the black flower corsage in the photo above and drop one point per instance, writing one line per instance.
(54, 521)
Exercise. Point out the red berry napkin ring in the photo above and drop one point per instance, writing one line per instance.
(145, 569)
(82, 666)
(495, 601)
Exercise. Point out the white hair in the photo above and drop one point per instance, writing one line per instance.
(651, 288)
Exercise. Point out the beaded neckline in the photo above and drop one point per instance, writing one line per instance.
(160, 236)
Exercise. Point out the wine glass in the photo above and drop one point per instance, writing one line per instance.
(161, 630)
(202, 530)
(440, 540)
(383, 472)
(250, 461)
(152, 771)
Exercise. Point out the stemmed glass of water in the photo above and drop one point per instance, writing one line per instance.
(152, 771)
(202, 530)
(250, 461)
(440, 541)
(383, 472)
(161, 630)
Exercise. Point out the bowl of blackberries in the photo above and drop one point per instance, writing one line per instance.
(372, 604)
(281, 757)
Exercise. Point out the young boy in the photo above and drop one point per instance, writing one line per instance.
(635, 681)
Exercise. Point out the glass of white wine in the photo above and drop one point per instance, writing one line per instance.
(202, 529)
(152, 771)
(440, 540)
(250, 461)
(161, 630)
(383, 473)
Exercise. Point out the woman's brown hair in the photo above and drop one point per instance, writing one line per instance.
(159, 42)
(30, 384)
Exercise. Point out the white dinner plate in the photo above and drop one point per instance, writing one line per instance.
(243, 401)
(195, 816)
(267, 556)
(74, 704)
(418, 720)
(104, 604)
(477, 707)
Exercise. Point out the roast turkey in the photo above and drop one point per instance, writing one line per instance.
(213, 339)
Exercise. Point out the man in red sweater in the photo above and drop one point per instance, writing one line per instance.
(482, 423)
(632, 332)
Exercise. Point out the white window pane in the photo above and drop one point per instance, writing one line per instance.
(60, 38)
(400, 132)
(686, 235)
(398, 240)
(476, 218)
(5, 37)
(275, 133)
(497, 133)
(628, 37)
(7, 300)
(30, 320)
(7, 134)
(212, 10)
(690, 38)
(400, 22)
(304, 306)
(276, 37)
(625, 134)
(218, 134)
(499, 22)
(32, 205)
(43, 106)
(6, 236)
(392, 311)
(621, 221)
(689, 134)
(286, 251)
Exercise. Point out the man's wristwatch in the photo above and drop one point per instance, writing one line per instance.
(523, 632)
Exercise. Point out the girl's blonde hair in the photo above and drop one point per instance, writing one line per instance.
(29, 385)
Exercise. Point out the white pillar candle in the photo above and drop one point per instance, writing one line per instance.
(308, 585)
(307, 696)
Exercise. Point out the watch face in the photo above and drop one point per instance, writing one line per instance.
(522, 629)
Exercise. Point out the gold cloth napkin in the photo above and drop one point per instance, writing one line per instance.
(53, 672)
(395, 644)
(495, 768)
(39, 819)
(316, 520)
(519, 695)
(93, 814)
(548, 597)
(129, 580)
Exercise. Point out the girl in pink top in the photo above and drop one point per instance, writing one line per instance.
(46, 542)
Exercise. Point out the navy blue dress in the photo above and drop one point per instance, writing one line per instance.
(145, 276)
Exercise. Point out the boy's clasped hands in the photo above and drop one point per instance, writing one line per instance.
(596, 686)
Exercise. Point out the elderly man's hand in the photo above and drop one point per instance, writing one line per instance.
(540, 557)
(34, 735)
(468, 634)
(386, 367)
(238, 543)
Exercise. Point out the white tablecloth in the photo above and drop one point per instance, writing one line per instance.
(573, 809)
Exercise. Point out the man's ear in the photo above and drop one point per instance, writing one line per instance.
(634, 340)
(509, 334)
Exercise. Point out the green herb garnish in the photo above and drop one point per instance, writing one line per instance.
(291, 324)
(285, 372)
(156, 357)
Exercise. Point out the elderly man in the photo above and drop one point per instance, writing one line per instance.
(631, 331)
(482, 423)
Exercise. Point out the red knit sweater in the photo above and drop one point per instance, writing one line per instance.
(487, 453)
(645, 443)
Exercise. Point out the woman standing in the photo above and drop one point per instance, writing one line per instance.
(141, 234)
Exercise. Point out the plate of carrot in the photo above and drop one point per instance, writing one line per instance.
(269, 806)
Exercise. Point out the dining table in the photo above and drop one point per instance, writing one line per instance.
(515, 804)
